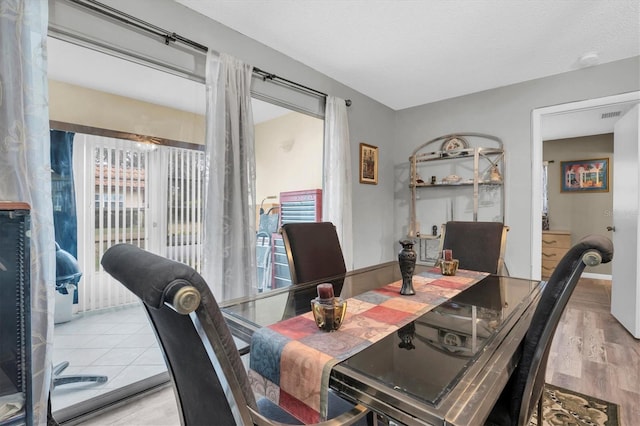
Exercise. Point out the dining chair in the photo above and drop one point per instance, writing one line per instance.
(525, 387)
(313, 251)
(210, 382)
(478, 246)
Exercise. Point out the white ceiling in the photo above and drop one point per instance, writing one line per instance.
(591, 121)
(412, 52)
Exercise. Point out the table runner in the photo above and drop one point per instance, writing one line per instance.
(291, 360)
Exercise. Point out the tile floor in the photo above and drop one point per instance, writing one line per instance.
(118, 343)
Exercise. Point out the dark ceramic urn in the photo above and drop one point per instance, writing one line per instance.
(407, 261)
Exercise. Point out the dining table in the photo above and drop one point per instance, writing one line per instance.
(439, 357)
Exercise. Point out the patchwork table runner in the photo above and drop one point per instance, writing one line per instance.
(291, 360)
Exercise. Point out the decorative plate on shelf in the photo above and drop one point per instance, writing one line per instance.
(451, 179)
(454, 143)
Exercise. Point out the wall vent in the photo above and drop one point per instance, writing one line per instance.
(611, 114)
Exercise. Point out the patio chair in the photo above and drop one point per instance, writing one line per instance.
(67, 276)
(267, 226)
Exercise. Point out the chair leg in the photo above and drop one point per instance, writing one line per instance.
(59, 380)
(540, 419)
(57, 369)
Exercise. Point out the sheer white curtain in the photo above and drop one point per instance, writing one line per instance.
(25, 167)
(336, 200)
(229, 263)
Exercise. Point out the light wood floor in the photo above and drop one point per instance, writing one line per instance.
(591, 354)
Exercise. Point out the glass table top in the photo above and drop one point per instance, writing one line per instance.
(268, 308)
(416, 368)
(427, 357)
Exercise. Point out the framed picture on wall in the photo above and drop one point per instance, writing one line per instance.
(368, 164)
(585, 175)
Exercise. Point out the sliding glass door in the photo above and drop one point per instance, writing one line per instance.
(138, 174)
(145, 194)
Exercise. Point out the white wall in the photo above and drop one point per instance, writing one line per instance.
(505, 112)
(74, 104)
(288, 154)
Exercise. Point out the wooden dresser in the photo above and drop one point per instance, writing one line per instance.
(554, 245)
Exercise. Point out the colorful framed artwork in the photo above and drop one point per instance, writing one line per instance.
(368, 164)
(585, 175)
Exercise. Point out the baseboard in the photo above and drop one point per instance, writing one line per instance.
(596, 276)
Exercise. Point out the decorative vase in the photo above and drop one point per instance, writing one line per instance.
(494, 175)
(406, 335)
(545, 221)
(407, 260)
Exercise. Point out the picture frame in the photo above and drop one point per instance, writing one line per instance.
(368, 164)
(585, 175)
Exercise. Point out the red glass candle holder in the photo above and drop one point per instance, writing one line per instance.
(325, 291)
(447, 255)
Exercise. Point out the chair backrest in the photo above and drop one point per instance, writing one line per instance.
(195, 345)
(313, 250)
(478, 246)
(529, 376)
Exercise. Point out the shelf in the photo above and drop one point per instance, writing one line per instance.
(466, 183)
(456, 155)
(427, 237)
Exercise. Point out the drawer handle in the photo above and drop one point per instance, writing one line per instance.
(549, 255)
(549, 242)
(547, 269)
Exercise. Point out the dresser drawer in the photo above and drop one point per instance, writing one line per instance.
(547, 268)
(554, 246)
(556, 240)
(555, 254)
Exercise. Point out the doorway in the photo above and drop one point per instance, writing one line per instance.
(562, 111)
(578, 194)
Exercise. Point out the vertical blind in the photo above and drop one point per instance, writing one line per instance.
(136, 193)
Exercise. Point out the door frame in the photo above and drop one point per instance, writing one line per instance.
(537, 115)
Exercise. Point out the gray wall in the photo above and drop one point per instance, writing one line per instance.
(579, 213)
(505, 112)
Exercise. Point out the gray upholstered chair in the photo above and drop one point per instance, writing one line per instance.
(525, 387)
(479, 246)
(209, 379)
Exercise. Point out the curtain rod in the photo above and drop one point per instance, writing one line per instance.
(272, 77)
(170, 37)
